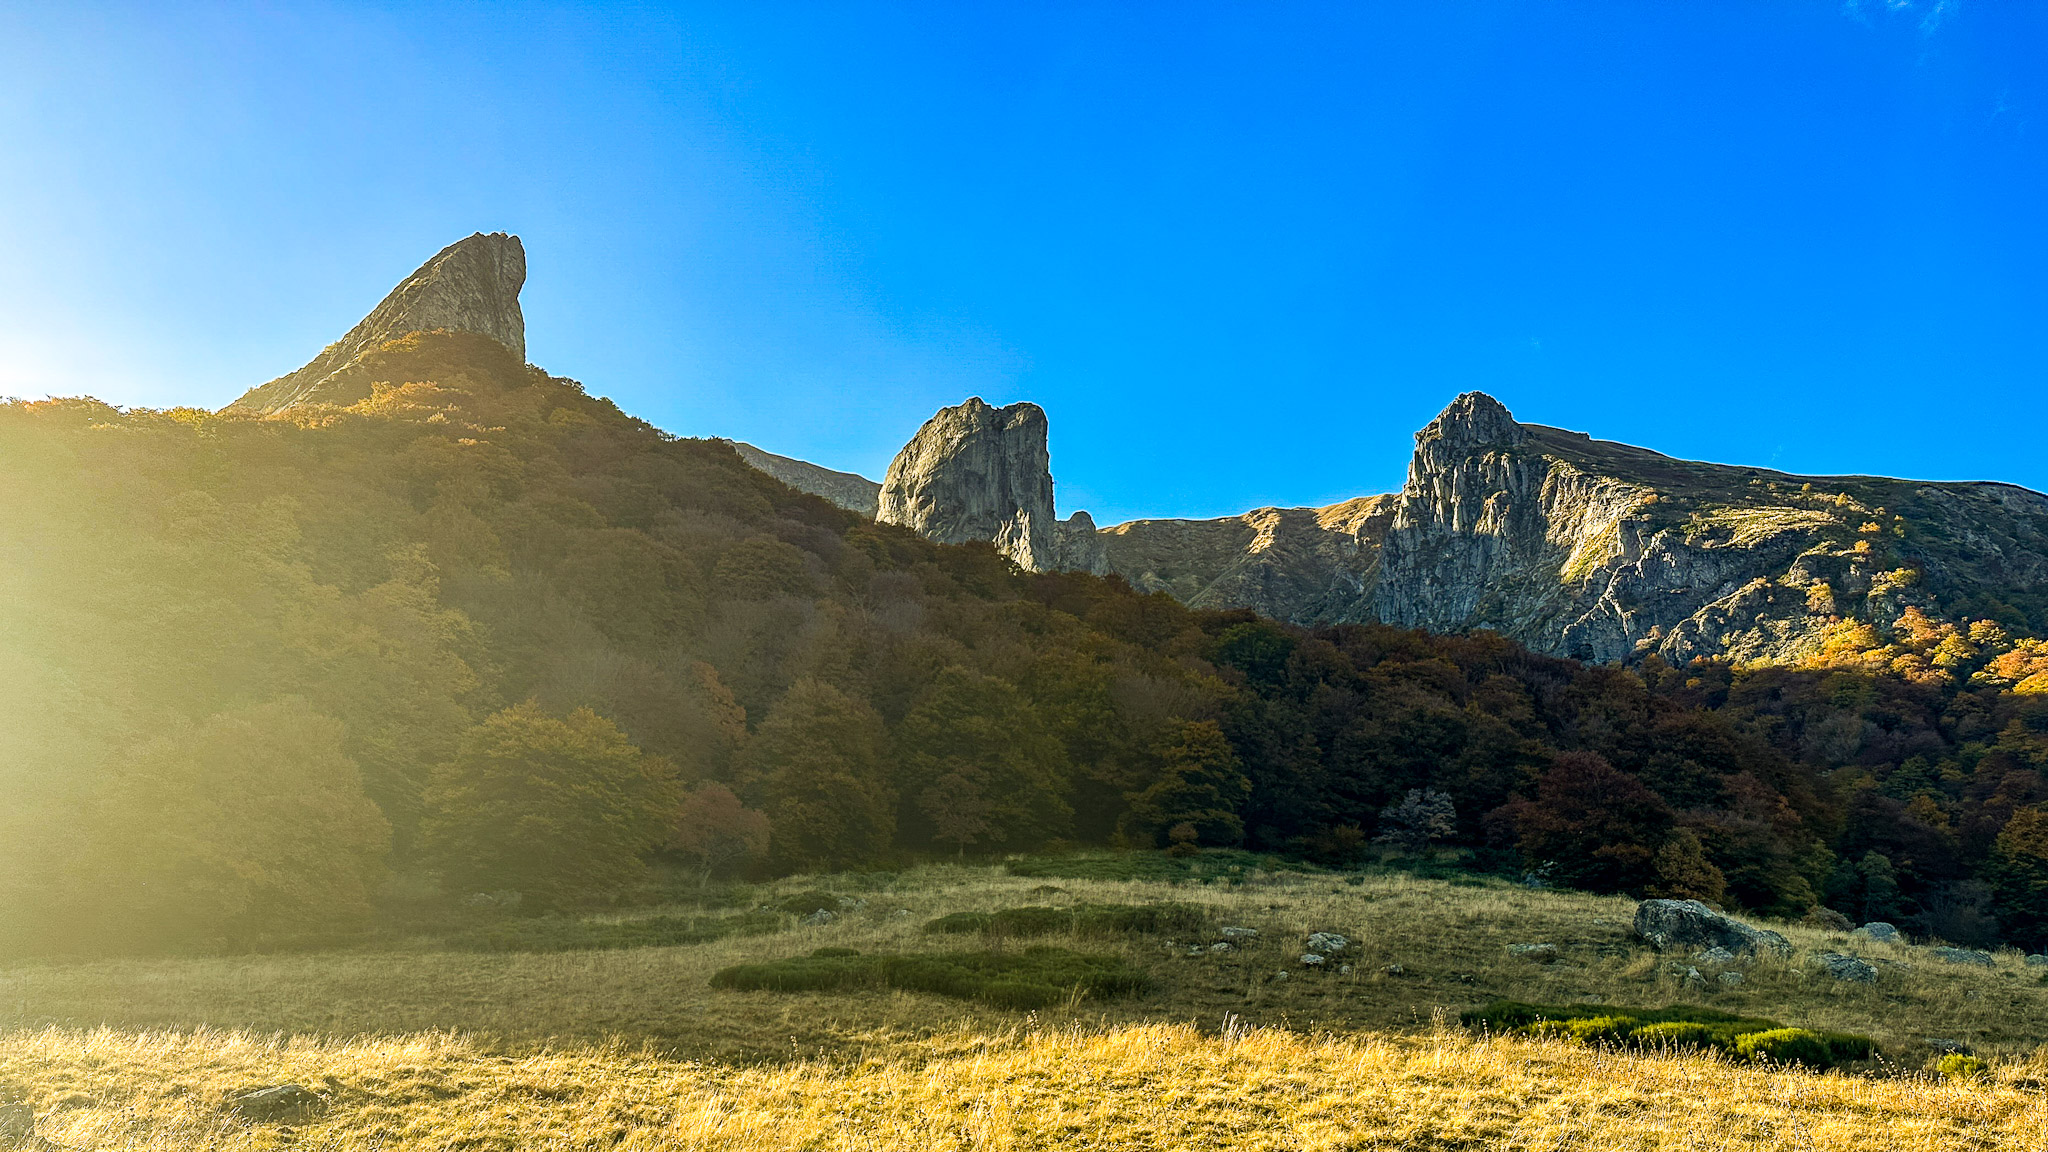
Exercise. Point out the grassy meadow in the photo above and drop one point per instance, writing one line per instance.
(426, 1041)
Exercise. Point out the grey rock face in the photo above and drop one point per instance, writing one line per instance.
(470, 286)
(1078, 545)
(850, 491)
(974, 472)
(1688, 925)
(1851, 969)
(276, 1103)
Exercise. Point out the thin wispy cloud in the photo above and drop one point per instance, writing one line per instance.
(1929, 16)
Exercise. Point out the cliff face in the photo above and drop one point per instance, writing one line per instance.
(974, 472)
(1604, 551)
(470, 286)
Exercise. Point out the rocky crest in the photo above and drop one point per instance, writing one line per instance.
(470, 286)
(1568, 544)
(974, 472)
(852, 492)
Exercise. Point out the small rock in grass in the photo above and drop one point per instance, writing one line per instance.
(1327, 942)
(1852, 969)
(1941, 1044)
(900, 913)
(1395, 970)
(1715, 955)
(2037, 961)
(1234, 933)
(1968, 956)
(277, 1102)
(1343, 969)
(1540, 953)
(1879, 931)
(1731, 979)
(819, 918)
(1311, 960)
(1220, 946)
(1692, 978)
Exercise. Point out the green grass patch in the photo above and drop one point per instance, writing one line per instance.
(552, 934)
(1085, 920)
(1034, 978)
(1679, 1026)
(1216, 865)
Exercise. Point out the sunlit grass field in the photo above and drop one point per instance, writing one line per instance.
(418, 1044)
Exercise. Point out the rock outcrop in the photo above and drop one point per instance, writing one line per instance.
(1571, 545)
(974, 472)
(470, 286)
(1688, 926)
(852, 492)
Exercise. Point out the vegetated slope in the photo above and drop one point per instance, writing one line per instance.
(474, 623)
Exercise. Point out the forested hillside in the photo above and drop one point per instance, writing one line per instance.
(480, 632)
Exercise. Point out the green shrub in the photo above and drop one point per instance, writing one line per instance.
(805, 903)
(1678, 1034)
(1785, 1046)
(1602, 1029)
(1676, 1026)
(554, 934)
(1034, 978)
(1956, 1066)
(1087, 920)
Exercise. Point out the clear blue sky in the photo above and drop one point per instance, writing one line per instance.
(1240, 252)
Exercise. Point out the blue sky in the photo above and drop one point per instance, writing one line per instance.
(1240, 252)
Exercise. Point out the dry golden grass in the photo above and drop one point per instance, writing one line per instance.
(421, 1047)
(1144, 1086)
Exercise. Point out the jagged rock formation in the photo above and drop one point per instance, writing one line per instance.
(1605, 551)
(974, 472)
(1300, 564)
(1609, 552)
(850, 491)
(470, 286)
(1568, 544)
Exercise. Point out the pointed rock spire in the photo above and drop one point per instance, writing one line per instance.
(470, 286)
(976, 472)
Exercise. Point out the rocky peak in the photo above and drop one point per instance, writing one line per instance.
(1472, 423)
(470, 286)
(976, 472)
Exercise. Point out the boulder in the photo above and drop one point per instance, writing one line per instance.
(1540, 953)
(2036, 961)
(1327, 942)
(1312, 960)
(1880, 932)
(1852, 969)
(1688, 925)
(276, 1103)
(1968, 956)
(1714, 955)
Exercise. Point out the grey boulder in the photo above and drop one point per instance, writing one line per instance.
(1688, 925)
(1968, 956)
(1851, 969)
(1880, 932)
(1540, 953)
(278, 1102)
